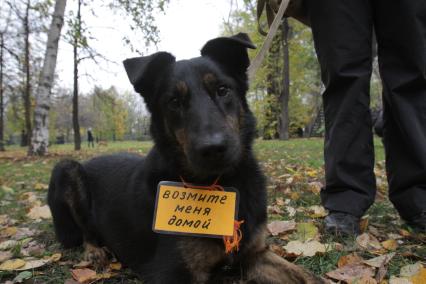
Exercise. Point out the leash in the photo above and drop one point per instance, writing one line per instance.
(260, 56)
(231, 243)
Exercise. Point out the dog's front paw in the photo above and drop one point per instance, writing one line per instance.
(96, 256)
(269, 268)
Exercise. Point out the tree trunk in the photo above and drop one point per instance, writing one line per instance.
(27, 92)
(40, 137)
(77, 137)
(285, 91)
(272, 110)
(1, 95)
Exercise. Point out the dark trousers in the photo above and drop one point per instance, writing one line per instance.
(342, 32)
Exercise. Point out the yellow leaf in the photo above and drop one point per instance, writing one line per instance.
(294, 196)
(390, 244)
(8, 232)
(55, 257)
(306, 231)
(40, 186)
(32, 263)
(12, 264)
(115, 266)
(420, 277)
(317, 211)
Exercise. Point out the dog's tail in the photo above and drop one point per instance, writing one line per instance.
(66, 197)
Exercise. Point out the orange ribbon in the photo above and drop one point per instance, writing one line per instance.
(232, 243)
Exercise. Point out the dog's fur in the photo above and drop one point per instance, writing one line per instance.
(202, 128)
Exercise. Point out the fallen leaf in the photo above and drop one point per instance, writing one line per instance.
(4, 219)
(306, 231)
(55, 257)
(32, 263)
(23, 232)
(410, 270)
(7, 189)
(363, 223)
(8, 244)
(275, 209)
(404, 233)
(5, 255)
(8, 232)
(363, 280)
(351, 272)
(380, 260)
(30, 198)
(310, 248)
(24, 275)
(399, 280)
(317, 211)
(40, 212)
(41, 186)
(83, 275)
(368, 242)
(117, 265)
(315, 187)
(279, 227)
(420, 277)
(12, 264)
(390, 244)
(352, 258)
(280, 201)
(294, 196)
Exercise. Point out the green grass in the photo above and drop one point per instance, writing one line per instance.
(290, 166)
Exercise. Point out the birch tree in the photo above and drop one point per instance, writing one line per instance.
(40, 136)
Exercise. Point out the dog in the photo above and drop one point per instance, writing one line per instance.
(203, 131)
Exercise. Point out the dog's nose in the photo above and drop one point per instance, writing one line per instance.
(214, 147)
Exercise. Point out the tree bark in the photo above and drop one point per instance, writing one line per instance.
(1, 94)
(27, 92)
(283, 124)
(40, 137)
(76, 125)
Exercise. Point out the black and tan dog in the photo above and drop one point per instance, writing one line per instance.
(202, 129)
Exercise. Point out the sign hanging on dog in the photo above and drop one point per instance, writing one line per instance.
(192, 211)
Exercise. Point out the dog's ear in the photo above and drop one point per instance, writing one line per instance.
(144, 72)
(230, 52)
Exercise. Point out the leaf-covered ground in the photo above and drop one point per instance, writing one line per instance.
(386, 252)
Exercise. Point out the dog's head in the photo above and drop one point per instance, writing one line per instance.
(199, 110)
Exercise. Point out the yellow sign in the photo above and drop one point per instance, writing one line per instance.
(192, 211)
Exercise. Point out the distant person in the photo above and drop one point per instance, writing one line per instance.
(90, 140)
(343, 32)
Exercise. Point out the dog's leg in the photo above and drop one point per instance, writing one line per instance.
(201, 256)
(69, 200)
(265, 267)
(95, 255)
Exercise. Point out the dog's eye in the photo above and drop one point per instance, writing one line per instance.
(174, 103)
(222, 91)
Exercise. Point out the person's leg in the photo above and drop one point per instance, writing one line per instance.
(401, 36)
(342, 32)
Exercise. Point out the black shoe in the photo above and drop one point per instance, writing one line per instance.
(418, 223)
(343, 224)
